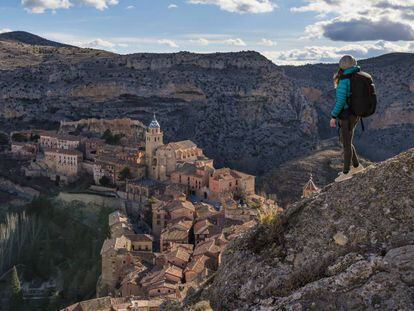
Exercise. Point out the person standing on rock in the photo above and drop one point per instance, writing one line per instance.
(347, 120)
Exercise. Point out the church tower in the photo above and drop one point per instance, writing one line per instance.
(153, 140)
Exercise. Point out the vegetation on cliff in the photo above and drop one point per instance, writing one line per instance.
(53, 241)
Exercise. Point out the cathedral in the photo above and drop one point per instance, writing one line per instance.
(162, 159)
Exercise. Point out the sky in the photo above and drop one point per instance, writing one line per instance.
(285, 31)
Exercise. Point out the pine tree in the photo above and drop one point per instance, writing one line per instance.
(16, 296)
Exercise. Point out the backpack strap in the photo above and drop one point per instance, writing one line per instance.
(362, 125)
(347, 76)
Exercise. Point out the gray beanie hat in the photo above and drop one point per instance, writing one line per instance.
(347, 61)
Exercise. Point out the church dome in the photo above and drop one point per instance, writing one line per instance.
(154, 124)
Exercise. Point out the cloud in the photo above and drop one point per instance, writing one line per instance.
(267, 42)
(240, 6)
(130, 7)
(332, 54)
(3, 30)
(364, 29)
(236, 42)
(40, 6)
(172, 6)
(229, 41)
(355, 20)
(99, 43)
(170, 43)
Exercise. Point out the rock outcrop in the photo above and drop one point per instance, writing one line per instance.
(349, 248)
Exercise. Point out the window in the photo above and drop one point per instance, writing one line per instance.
(158, 222)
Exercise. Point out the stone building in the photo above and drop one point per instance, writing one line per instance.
(141, 190)
(225, 183)
(52, 140)
(164, 212)
(117, 261)
(24, 149)
(93, 147)
(177, 231)
(310, 188)
(195, 177)
(141, 242)
(63, 163)
(111, 167)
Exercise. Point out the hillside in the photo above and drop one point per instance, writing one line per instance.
(349, 248)
(28, 38)
(213, 99)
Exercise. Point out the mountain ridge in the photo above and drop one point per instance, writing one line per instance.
(30, 39)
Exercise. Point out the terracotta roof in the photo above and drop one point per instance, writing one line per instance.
(177, 204)
(207, 246)
(140, 237)
(114, 244)
(174, 234)
(63, 151)
(180, 253)
(180, 145)
(116, 217)
(197, 263)
(202, 226)
(187, 247)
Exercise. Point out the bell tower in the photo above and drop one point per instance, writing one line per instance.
(153, 140)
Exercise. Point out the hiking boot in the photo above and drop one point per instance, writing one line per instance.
(342, 176)
(356, 170)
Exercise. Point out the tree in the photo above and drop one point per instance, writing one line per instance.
(125, 174)
(105, 181)
(19, 137)
(4, 139)
(16, 296)
(111, 138)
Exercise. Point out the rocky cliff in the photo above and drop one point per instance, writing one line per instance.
(242, 109)
(213, 99)
(349, 248)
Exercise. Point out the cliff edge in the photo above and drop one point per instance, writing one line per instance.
(349, 248)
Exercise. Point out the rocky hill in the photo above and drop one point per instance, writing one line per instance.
(349, 248)
(213, 99)
(243, 110)
(28, 38)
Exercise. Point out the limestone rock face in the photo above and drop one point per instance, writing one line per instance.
(296, 264)
(239, 107)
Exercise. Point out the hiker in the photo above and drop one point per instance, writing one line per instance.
(348, 110)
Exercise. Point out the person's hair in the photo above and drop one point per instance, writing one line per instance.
(337, 75)
(347, 61)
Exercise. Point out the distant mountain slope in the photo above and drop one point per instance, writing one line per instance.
(349, 248)
(241, 108)
(238, 107)
(28, 38)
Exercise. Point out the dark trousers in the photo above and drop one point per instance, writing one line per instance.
(348, 125)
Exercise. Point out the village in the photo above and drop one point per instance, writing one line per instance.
(178, 214)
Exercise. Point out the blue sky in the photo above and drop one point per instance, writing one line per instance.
(286, 31)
